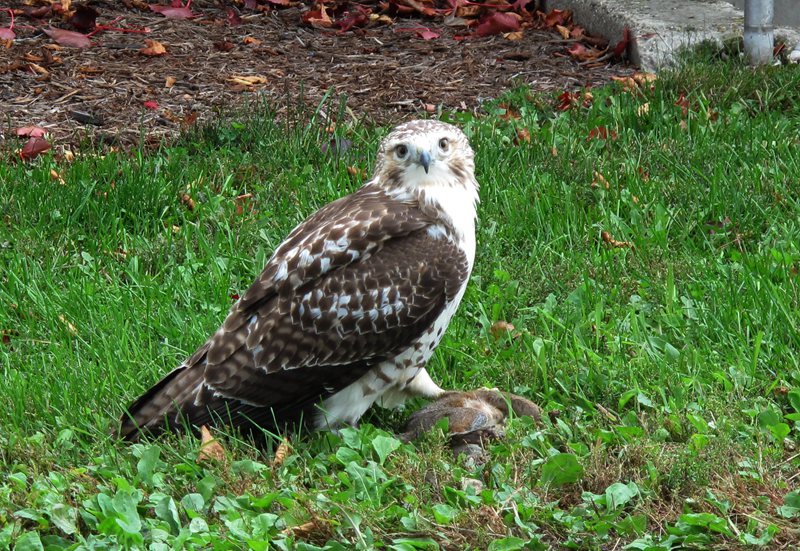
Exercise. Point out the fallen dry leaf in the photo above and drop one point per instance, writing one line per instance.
(608, 238)
(174, 11)
(523, 136)
(623, 45)
(7, 33)
(500, 328)
(602, 133)
(68, 38)
(516, 35)
(496, 23)
(56, 177)
(187, 201)
(643, 109)
(169, 82)
(251, 41)
(600, 181)
(31, 132)
(153, 48)
(563, 31)
(151, 104)
(319, 18)
(210, 448)
(283, 451)
(247, 80)
(71, 328)
(302, 531)
(33, 148)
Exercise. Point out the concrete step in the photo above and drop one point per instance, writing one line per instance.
(661, 28)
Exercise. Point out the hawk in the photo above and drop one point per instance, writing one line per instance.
(348, 309)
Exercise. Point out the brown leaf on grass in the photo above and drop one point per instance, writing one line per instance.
(283, 451)
(516, 35)
(153, 48)
(70, 39)
(602, 133)
(70, 328)
(523, 136)
(563, 31)
(600, 181)
(251, 41)
(500, 328)
(302, 531)
(683, 103)
(56, 177)
(187, 201)
(33, 148)
(31, 132)
(210, 448)
(609, 239)
(169, 82)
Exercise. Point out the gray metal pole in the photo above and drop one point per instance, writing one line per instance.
(758, 33)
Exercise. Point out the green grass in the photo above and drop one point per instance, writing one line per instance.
(670, 368)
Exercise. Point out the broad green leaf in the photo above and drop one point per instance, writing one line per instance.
(619, 494)
(509, 543)
(562, 468)
(791, 505)
(384, 445)
(147, 464)
(168, 512)
(444, 513)
(29, 541)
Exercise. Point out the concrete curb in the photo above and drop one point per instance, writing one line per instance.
(660, 29)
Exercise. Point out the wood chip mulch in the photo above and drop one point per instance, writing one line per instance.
(113, 93)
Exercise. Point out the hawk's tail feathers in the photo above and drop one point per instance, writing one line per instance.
(163, 406)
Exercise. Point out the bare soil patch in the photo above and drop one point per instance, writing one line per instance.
(112, 92)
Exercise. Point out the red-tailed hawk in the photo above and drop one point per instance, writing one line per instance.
(349, 308)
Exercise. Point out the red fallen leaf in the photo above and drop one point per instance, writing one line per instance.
(601, 133)
(497, 23)
(423, 32)
(318, 19)
(557, 17)
(33, 148)
(233, 19)
(68, 38)
(582, 53)
(357, 18)
(234, 296)
(31, 132)
(37, 13)
(623, 45)
(683, 102)
(175, 10)
(151, 104)
(567, 100)
(84, 19)
(520, 5)
(7, 33)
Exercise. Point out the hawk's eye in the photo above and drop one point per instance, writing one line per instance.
(401, 151)
(444, 144)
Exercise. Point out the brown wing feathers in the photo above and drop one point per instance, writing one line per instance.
(349, 287)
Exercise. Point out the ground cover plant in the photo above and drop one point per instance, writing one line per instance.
(637, 276)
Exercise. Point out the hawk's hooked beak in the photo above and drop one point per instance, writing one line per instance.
(425, 160)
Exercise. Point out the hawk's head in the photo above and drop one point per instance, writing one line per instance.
(422, 154)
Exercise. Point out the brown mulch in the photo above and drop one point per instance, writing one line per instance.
(100, 93)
